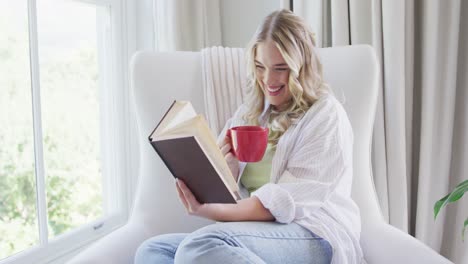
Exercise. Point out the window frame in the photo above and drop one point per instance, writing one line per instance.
(118, 186)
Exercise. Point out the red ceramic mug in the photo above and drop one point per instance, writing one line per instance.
(248, 142)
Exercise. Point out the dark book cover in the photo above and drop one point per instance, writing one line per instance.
(160, 121)
(187, 161)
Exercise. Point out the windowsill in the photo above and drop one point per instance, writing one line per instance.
(68, 245)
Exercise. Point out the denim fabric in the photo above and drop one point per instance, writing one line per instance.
(237, 242)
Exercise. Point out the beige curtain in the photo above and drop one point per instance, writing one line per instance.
(186, 25)
(420, 144)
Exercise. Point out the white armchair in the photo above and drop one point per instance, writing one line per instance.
(159, 78)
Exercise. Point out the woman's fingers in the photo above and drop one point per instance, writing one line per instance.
(185, 190)
(181, 196)
(191, 202)
(225, 149)
(223, 142)
(230, 157)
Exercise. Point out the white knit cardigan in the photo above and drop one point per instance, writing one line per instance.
(311, 177)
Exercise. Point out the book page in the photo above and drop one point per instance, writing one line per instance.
(186, 128)
(180, 112)
(219, 163)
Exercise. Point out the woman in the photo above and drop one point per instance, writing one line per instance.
(297, 206)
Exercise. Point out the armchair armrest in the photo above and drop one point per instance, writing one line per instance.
(118, 247)
(385, 244)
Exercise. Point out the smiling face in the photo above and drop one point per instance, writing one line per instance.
(272, 74)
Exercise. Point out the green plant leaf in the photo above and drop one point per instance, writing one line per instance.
(453, 196)
(463, 230)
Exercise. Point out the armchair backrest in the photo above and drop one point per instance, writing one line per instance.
(159, 78)
(353, 71)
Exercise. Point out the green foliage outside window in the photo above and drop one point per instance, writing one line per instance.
(73, 182)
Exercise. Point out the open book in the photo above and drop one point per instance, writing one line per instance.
(188, 148)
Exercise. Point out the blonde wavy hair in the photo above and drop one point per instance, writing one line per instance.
(296, 43)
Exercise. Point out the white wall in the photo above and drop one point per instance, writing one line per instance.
(240, 19)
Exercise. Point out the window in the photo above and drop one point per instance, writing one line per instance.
(63, 114)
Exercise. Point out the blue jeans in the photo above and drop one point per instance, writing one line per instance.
(237, 242)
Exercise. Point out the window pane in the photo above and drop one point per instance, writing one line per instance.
(18, 220)
(68, 58)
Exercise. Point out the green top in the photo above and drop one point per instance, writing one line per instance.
(256, 174)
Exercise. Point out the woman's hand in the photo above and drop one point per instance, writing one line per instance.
(192, 206)
(232, 161)
(249, 209)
